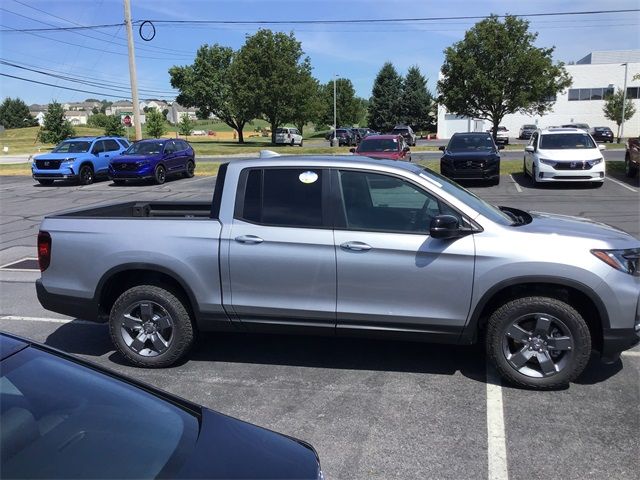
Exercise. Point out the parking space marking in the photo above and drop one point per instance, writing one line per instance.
(518, 188)
(631, 354)
(622, 184)
(496, 437)
(48, 320)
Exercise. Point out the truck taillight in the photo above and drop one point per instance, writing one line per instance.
(44, 250)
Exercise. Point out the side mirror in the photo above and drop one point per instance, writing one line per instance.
(352, 150)
(500, 147)
(444, 227)
(442, 148)
(529, 148)
(602, 147)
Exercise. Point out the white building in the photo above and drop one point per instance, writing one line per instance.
(76, 117)
(594, 76)
(176, 113)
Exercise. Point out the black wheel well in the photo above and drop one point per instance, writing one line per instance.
(570, 295)
(122, 281)
(87, 163)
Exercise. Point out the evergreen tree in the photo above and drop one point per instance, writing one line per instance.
(56, 127)
(155, 124)
(14, 113)
(416, 101)
(385, 103)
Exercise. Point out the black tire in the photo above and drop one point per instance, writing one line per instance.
(45, 182)
(301, 142)
(160, 175)
(597, 184)
(85, 176)
(179, 336)
(292, 142)
(534, 175)
(494, 181)
(516, 331)
(630, 170)
(524, 167)
(190, 169)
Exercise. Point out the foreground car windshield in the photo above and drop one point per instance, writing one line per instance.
(485, 209)
(471, 142)
(146, 148)
(379, 145)
(566, 141)
(72, 147)
(80, 423)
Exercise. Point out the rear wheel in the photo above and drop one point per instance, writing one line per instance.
(151, 326)
(630, 170)
(85, 177)
(538, 342)
(191, 169)
(45, 182)
(160, 175)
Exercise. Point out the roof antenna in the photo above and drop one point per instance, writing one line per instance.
(268, 154)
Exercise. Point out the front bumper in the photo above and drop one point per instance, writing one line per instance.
(490, 172)
(62, 173)
(146, 171)
(547, 173)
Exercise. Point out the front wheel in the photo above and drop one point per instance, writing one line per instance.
(190, 169)
(85, 176)
(524, 167)
(301, 142)
(160, 175)
(538, 342)
(630, 170)
(534, 175)
(150, 326)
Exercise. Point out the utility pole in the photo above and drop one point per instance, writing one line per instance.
(132, 70)
(624, 101)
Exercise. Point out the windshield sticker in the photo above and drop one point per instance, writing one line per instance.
(308, 177)
(430, 180)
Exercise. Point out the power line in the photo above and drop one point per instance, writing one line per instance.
(102, 94)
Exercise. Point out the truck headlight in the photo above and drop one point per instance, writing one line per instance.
(627, 261)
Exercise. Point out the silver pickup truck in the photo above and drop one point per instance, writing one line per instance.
(346, 246)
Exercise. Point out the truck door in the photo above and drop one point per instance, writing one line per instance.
(282, 262)
(391, 274)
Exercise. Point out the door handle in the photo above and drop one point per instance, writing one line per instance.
(356, 246)
(249, 239)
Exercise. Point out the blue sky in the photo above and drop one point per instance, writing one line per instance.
(355, 51)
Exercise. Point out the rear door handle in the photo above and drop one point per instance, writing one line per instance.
(356, 246)
(249, 239)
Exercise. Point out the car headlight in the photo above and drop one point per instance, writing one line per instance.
(68, 160)
(627, 261)
(594, 162)
(551, 163)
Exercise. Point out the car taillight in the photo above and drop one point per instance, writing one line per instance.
(44, 250)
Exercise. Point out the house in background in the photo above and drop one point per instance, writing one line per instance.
(119, 107)
(76, 117)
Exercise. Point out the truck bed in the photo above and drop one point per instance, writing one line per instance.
(144, 210)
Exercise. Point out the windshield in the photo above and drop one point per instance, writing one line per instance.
(80, 420)
(144, 148)
(470, 142)
(281, 130)
(566, 141)
(72, 147)
(400, 130)
(379, 145)
(465, 196)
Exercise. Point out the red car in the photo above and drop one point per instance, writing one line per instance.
(388, 147)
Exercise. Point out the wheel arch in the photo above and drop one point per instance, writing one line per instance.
(578, 295)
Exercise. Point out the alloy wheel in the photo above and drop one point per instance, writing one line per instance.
(147, 328)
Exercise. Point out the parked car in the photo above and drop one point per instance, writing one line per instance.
(356, 135)
(289, 136)
(471, 156)
(526, 131)
(564, 155)
(82, 159)
(155, 159)
(581, 126)
(395, 250)
(345, 137)
(407, 132)
(364, 132)
(502, 135)
(632, 157)
(602, 134)
(63, 417)
(391, 147)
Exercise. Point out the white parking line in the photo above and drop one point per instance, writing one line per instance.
(496, 437)
(622, 184)
(48, 320)
(631, 354)
(518, 188)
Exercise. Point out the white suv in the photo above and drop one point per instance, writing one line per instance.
(564, 155)
(288, 136)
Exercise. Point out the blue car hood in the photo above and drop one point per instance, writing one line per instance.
(60, 156)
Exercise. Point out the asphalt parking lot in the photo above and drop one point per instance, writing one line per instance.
(372, 409)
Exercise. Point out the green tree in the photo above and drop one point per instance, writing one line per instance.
(386, 97)
(14, 113)
(186, 125)
(212, 85)
(56, 127)
(104, 104)
(417, 101)
(155, 124)
(347, 104)
(113, 126)
(497, 70)
(267, 69)
(363, 111)
(613, 109)
(97, 120)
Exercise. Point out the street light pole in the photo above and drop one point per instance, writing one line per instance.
(335, 126)
(624, 101)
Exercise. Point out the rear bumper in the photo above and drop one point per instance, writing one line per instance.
(83, 308)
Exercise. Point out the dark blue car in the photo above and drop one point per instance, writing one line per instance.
(155, 159)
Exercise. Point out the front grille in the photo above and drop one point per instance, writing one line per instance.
(578, 165)
(125, 166)
(571, 177)
(469, 164)
(48, 164)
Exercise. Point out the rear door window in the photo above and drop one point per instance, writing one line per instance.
(98, 147)
(111, 145)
